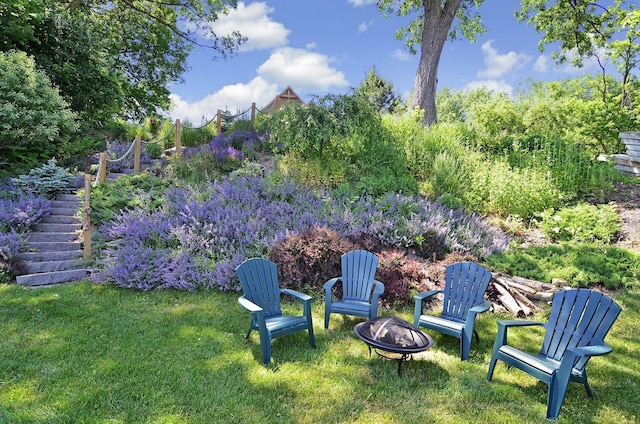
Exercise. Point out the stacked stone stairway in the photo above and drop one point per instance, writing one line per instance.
(55, 246)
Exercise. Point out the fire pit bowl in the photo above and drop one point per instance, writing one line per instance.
(393, 335)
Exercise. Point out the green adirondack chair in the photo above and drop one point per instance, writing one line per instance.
(360, 290)
(259, 280)
(465, 285)
(579, 321)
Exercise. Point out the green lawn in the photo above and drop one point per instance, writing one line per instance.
(97, 354)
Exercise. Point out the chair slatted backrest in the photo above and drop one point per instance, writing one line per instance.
(578, 318)
(259, 280)
(465, 285)
(358, 274)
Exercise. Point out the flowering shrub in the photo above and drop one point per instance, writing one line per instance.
(207, 231)
(19, 211)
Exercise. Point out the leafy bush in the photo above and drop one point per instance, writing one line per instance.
(35, 121)
(401, 277)
(580, 265)
(154, 150)
(46, 180)
(307, 260)
(582, 223)
(500, 189)
(127, 192)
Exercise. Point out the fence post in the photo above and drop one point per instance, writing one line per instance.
(136, 155)
(178, 136)
(103, 167)
(86, 217)
(253, 115)
(219, 121)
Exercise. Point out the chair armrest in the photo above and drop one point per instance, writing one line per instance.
(595, 350)
(330, 283)
(249, 305)
(296, 294)
(424, 295)
(503, 326)
(378, 288)
(481, 307)
(420, 297)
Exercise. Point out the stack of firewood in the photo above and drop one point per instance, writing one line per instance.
(517, 295)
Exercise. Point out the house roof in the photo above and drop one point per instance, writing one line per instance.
(287, 95)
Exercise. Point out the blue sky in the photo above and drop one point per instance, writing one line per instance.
(328, 46)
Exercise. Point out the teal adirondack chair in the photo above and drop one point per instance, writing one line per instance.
(360, 290)
(259, 280)
(465, 285)
(579, 321)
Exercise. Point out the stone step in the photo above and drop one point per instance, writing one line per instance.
(52, 237)
(67, 211)
(46, 227)
(68, 197)
(50, 266)
(49, 278)
(65, 203)
(59, 219)
(64, 255)
(54, 246)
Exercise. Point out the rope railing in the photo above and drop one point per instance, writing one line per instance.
(135, 148)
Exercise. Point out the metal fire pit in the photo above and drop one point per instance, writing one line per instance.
(393, 335)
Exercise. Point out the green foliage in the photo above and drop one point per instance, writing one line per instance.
(197, 168)
(191, 136)
(579, 265)
(46, 180)
(384, 182)
(108, 199)
(154, 150)
(582, 223)
(379, 92)
(35, 122)
(500, 189)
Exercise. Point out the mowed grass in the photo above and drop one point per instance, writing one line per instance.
(98, 354)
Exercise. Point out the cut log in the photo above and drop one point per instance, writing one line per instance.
(508, 301)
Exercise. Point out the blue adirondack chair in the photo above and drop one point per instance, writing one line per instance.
(360, 290)
(465, 285)
(259, 280)
(579, 321)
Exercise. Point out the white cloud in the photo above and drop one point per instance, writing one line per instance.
(542, 64)
(253, 22)
(489, 84)
(498, 65)
(301, 69)
(358, 3)
(234, 98)
(401, 55)
(364, 26)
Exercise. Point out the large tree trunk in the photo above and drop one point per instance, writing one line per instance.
(437, 22)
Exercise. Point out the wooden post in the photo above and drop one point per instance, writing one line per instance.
(86, 217)
(253, 115)
(178, 136)
(103, 167)
(219, 121)
(136, 155)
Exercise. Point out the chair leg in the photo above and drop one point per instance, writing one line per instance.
(327, 314)
(248, 333)
(492, 366)
(475, 333)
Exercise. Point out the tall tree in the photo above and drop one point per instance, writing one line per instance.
(114, 57)
(432, 26)
(379, 92)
